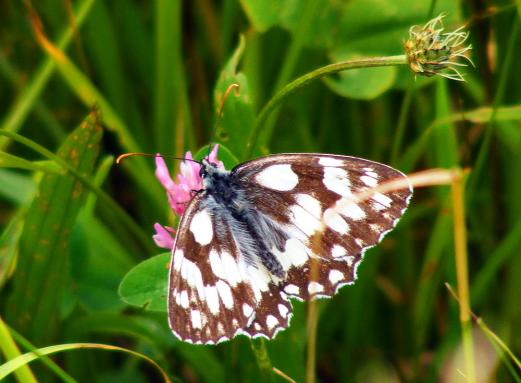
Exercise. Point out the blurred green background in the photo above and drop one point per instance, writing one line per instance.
(157, 71)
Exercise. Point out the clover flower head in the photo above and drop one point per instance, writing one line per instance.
(181, 192)
(430, 51)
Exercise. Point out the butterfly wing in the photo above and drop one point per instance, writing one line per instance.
(313, 197)
(304, 206)
(213, 292)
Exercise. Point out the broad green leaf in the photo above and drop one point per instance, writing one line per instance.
(363, 83)
(39, 279)
(93, 248)
(237, 113)
(265, 14)
(146, 285)
(365, 29)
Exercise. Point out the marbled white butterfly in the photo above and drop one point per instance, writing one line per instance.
(274, 228)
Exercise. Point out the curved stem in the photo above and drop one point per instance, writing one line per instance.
(312, 76)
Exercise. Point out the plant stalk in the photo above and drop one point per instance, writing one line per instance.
(310, 77)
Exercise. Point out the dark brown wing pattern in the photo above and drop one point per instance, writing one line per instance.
(214, 294)
(217, 292)
(313, 197)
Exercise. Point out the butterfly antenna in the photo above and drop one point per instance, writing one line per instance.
(125, 155)
(220, 112)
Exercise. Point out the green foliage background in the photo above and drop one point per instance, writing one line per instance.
(73, 224)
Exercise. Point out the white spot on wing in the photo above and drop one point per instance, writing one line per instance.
(246, 310)
(212, 299)
(292, 289)
(278, 177)
(271, 321)
(201, 227)
(184, 299)
(350, 209)
(329, 161)
(231, 269)
(178, 259)
(195, 315)
(295, 253)
(283, 310)
(335, 276)
(216, 264)
(338, 251)
(336, 180)
(225, 293)
(369, 181)
(335, 221)
(192, 275)
(382, 199)
(315, 287)
(259, 279)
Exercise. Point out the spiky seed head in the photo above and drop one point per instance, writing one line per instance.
(431, 51)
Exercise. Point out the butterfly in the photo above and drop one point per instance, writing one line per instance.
(280, 227)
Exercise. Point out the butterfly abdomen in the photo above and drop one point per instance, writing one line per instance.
(250, 225)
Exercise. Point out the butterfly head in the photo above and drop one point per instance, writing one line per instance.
(210, 170)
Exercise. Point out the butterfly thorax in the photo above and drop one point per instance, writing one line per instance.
(230, 198)
(222, 186)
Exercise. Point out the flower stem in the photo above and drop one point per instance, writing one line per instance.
(460, 247)
(308, 78)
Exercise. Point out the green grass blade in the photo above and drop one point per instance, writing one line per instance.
(108, 202)
(39, 278)
(11, 351)
(85, 90)
(9, 246)
(168, 47)
(237, 110)
(10, 161)
(28, 96)
(42, 112)
(13, 364)
(64, 376)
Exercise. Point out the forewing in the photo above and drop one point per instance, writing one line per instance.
(213, 294)
(313, 197)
